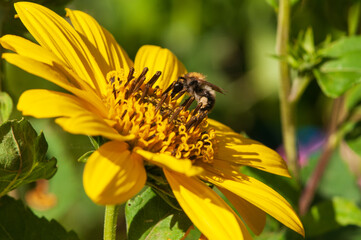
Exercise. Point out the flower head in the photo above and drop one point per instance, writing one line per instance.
(132, 106)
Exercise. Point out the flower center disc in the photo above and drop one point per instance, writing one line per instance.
(160, 123)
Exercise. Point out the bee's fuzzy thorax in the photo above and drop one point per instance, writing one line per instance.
(196, 75)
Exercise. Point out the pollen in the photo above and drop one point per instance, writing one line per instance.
(160, 121)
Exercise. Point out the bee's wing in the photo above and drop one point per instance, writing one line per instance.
(214, 87)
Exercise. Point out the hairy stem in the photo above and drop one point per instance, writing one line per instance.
(110, 222)
(287, 108)
(330, 145)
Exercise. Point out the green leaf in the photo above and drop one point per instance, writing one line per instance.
(337, 76)
(336, 178)
(272, 235)
(343, 70)
(17, 222)
(331, 215)
(22, 156)
(194, 233)
(6, 106)
(342, 46)
(149, 217)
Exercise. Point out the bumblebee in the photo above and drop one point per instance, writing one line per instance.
(196, 85)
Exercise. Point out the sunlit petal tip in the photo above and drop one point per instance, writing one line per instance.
(5, 40)
(236, 149)
(159, 59)
(113, 177)
(183, 166)
(54, 33)
(260, 195)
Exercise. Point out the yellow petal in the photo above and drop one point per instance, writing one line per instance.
(28, 49)
(57, 35)
(38, 68)
(234, 148)
(159, 59)
(59, 76)
(212, 216)
(112, 174)
(183, 166)
(260, 195)
(92, 125)
(253, 216)
(115, 57)
(41, 103)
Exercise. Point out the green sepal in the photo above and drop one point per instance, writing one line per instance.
(85, 157)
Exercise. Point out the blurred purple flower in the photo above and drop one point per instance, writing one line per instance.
(310, 140)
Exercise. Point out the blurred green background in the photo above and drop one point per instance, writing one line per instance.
(231, 41)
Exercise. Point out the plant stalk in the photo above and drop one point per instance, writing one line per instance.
(332, 140)
(287, 108)
(110, 222)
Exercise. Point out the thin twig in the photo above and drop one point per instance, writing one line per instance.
(332, 140)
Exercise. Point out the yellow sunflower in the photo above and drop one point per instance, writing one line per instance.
(129, 105)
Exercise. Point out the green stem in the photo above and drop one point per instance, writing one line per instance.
(333, 137)
(287, 108)
(110, 222)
